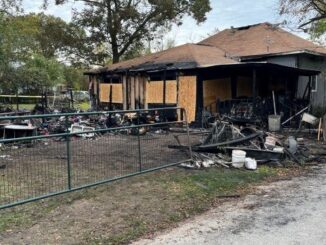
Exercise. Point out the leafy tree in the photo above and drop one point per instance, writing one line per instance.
(74, 78)
(50, 36)
(26, 63)
(318, 31)
(7, 53)
(310, 15)
(2, 53)
(34, 75)
(116, 27)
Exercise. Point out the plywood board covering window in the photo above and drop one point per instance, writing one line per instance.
(117, 96)
(187, 95)
(154, 92)
(217, 89)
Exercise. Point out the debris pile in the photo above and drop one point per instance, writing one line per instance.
(83, 125)
(228, 145)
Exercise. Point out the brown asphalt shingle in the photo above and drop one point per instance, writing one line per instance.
(225, 47)
(192, 54)
(261, 39)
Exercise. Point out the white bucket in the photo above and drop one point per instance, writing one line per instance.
(250, 164)
(278, 149)
(274, 123)
(238, 158)
(309, 118)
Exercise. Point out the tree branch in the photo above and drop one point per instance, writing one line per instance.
(98, 3)
(135, 34)
(313, 20)
(320, 10)
(6, 12)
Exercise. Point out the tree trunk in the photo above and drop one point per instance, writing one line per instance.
(115, 56)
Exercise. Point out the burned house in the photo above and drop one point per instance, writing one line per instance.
(233, 73)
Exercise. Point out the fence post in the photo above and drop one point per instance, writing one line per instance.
(184, 112)
(139, 149)
(68, 155)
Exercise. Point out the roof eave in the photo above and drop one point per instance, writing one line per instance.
(258, 56)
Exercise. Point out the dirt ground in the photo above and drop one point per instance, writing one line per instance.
(119, 212)
(39, 169)
(285, 212)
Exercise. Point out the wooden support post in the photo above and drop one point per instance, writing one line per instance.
(97, 86)
(129, 92)
(199, 98)
(145, 81)
(110, 95)
(141, 92)
(132, 93)
(136, 83)
(164, 88)
(177, 84)
(124, 92)
(177, 99)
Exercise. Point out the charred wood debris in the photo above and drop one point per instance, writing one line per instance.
(222, 143)
(247, 133)
(240, 141)
(76, 123)
(228, 145)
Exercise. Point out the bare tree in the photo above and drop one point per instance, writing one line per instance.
(306, 12)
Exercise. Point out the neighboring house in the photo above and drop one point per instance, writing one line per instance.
(238, 63)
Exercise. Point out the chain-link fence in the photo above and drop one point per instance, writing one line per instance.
(46, 155)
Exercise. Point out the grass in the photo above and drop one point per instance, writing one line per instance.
(25, 215)
(82, 105)
(24, 107)
(202, 188)
(131, 208)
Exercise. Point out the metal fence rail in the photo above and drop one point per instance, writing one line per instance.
(57, 160)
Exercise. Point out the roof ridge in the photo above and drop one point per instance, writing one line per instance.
(254, 39)
(226, 53)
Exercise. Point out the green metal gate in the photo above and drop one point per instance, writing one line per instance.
(33, 167)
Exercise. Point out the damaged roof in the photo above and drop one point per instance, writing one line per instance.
(224, 48)
(187, 56)
(260, 40)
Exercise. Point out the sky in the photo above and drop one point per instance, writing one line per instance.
(224, 14)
